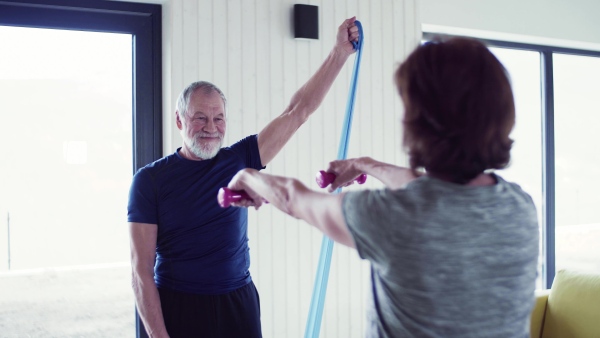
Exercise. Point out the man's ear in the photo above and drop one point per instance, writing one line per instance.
(178, 120)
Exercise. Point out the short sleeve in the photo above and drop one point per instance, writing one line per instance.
(247, 149)
(142, 205)
(366, 213)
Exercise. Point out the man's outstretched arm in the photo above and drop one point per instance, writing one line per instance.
(309, 97)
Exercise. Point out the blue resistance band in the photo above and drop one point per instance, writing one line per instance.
(315, 314)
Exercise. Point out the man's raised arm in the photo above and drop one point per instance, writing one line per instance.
(309, 97)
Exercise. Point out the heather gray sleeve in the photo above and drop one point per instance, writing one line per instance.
(366, 214)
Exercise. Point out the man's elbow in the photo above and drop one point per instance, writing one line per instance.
(141, 277)
(301, 107)
(299, 114)
(136, 283)
(311, 105)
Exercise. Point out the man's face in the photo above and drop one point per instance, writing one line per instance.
(203, 125)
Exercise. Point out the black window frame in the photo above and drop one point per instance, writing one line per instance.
(144, 23)
(548, 141)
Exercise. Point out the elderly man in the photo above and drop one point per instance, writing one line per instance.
(190, 257)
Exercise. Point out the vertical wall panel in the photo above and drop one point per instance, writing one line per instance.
(246, 47)
(234, 68)
(268, 220)
(402, 30)
(390, 143)
(377, 51)
(190, 35)
(297, 70)
(172, 138)
(278, 274)
(309, 239)
(205, 36)
(249, 40)
(168, 76)
(217, 63)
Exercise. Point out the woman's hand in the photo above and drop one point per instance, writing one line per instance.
(241, 181)
(346, 172)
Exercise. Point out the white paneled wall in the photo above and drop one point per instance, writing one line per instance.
(246, 47)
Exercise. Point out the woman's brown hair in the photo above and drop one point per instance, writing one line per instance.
(459, 109)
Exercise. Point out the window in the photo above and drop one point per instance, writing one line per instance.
(64, 186)
(554, 157)
(576, 120)
(136, 29)
(526, 155)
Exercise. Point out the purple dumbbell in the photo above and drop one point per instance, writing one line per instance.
(324, 178)
(226, 196)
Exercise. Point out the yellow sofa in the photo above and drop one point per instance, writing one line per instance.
(571, 309)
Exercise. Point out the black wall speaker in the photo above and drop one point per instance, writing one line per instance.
(306, 21)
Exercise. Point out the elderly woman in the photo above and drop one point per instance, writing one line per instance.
(453, 246)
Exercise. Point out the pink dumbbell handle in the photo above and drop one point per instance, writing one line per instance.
(324, 178)
(226, 196)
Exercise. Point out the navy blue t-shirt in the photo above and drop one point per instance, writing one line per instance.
(201, 248)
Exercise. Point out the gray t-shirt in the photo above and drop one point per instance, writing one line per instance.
(447, 260)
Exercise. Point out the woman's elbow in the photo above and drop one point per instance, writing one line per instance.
(294, 194)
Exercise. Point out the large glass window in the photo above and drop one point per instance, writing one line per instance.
(577, 119)
(65, 140)
(80, 111)
(65, 168)
(526, 155)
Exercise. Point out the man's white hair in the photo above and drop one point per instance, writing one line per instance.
(184, 98)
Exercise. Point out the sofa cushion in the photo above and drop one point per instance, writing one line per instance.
(573, 308)
(538, 313)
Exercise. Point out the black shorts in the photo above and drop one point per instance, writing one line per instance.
(234, 314)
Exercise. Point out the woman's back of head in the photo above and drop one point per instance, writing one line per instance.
(459, 109)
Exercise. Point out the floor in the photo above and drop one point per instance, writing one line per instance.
(83, 302)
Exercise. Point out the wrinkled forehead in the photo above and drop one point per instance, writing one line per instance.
(206, 102)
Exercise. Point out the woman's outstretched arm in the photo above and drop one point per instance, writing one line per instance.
(321, 210)
(393, 176)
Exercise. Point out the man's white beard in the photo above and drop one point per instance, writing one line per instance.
(204, 150)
